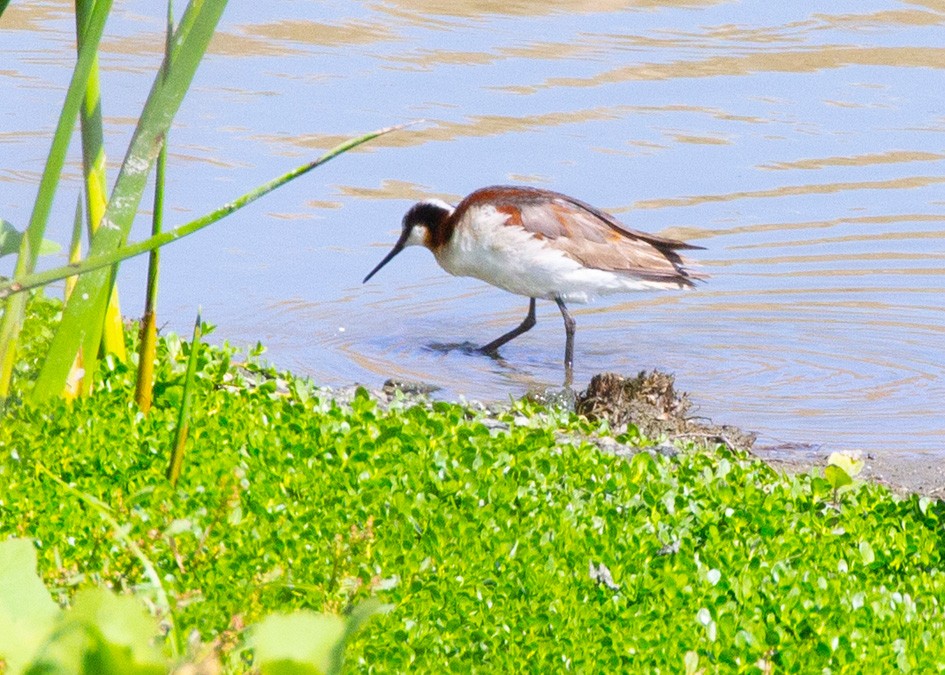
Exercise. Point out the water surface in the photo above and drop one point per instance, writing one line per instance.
(803, 144)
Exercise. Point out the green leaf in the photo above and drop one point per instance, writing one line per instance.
(183, 412)
(122, 632)
(691, 662)
(48, 247)
(10, 239)
(359, 615)
(850, 462)
(306, 642)
(27, 611)
(866, 552)
(303, 642)
(102, 634)
(837, 477)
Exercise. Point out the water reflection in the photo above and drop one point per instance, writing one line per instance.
(764, 61)
(801, 144)
(423, 9)
(795, 190)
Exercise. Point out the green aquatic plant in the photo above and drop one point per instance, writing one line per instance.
(478, 528)
(841, 469)
(36, 280)
(11, 239)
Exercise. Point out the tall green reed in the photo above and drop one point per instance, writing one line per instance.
(30, 243)
(147, 350)
(83, 316)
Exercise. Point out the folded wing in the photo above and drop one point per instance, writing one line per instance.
(592, 237)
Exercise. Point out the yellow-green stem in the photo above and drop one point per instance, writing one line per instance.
(147, 351)
(96, 189)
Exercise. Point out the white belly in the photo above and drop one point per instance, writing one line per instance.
(511, 258)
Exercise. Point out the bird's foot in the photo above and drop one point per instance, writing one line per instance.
(491, 352)
(446, 347)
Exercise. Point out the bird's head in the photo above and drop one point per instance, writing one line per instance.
(420, 225)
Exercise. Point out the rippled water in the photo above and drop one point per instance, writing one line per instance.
(803, 144)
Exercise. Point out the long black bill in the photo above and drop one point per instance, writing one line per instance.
(398, 247)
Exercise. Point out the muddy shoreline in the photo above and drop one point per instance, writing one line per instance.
(650, 401)
(903, 475)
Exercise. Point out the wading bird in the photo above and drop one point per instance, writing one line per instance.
(541, 244)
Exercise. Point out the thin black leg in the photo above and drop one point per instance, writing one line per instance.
(569, 325)
(526, 325)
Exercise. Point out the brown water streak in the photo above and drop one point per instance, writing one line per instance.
(794, 190)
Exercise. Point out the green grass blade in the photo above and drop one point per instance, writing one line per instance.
(3, 5)
(10, 239)
(93, 263)
(96, 184)
(75, 245)
(83, 316)
(32, 239)
(183, 414)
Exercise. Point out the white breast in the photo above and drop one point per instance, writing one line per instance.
(484, 247)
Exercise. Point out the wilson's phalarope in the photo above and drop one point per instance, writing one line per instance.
(541, 244)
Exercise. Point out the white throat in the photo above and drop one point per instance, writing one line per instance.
(417, 236)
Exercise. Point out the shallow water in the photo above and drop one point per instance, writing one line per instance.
(803, 144)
